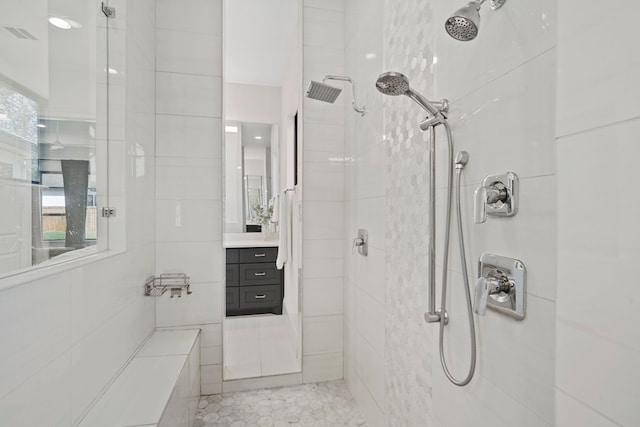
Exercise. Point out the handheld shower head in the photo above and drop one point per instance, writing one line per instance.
(394, 84)
(464, 23)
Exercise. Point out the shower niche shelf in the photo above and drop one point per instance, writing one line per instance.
(176, 283)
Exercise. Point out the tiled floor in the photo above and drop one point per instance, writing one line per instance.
(256, 346)
(311, 405)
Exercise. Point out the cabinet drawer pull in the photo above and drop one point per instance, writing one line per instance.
(260, 296)
(259, 255)
(260, 274)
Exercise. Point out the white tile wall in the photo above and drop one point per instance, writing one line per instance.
(322, 367)
(496, 84)
(188, 94)
(189, 172)
(55, 380)
(323, 296)
(365, 284)
(197, 259)
(173, 133)
(211, 377)
(609, 78)
(200, 308)
(597, 362)
(195, 16)
(64, 337)
(175, 52)
(323, 196)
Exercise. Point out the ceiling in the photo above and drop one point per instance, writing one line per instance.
(258, 36)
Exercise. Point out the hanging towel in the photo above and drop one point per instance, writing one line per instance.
(285, 226)
(275, 202)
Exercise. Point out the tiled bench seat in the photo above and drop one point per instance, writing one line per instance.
(159, 387)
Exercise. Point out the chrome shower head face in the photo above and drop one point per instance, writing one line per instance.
(393, 84)
(464, 23)
(323, 92)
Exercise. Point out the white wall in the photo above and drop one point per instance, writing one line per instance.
(597, 345)
(501, 88)
(291, 100)
(189, 171)
(323, 196)
(67, 334)
(252, 103)
(365, 193)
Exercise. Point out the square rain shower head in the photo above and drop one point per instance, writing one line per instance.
(323, 92)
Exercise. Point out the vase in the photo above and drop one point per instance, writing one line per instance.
(270, 231)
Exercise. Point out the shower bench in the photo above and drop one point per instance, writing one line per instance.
(159, 387)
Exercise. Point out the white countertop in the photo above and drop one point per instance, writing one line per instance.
(248, 240)
(250, 243)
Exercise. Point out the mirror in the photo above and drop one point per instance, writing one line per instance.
(262, 329)
(48, 107)
(251, 177)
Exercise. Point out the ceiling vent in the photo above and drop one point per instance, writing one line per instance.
(21, 33)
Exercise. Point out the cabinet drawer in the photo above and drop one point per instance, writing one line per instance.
(257, 255)
(233, 275)
(232, 256)
(233, 298)
(260, 296)
(259, 274)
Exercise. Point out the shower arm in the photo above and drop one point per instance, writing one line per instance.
(362, 110)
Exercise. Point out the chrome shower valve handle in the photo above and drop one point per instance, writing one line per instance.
(357, 242)
(485, 286)
(497, 196)
(361, 243)
(501, 286)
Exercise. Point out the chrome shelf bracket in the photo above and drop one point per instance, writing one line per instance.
(156, 286)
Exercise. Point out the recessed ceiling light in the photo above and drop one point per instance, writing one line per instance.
(258, 137)
(40, 125)
(231, 129)
(57, 22)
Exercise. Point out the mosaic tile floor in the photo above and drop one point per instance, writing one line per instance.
(311, 405)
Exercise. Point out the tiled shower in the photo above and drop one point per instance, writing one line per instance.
(547, 90)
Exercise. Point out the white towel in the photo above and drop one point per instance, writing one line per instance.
(275, 202)
(285, 225)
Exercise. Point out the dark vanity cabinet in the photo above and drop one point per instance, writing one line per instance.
(254, 284)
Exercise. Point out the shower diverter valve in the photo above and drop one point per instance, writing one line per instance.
(497, 196)
(501, 286)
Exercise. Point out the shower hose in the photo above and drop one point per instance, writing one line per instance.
(445, 262)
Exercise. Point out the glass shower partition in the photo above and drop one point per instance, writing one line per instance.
(54, 132)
